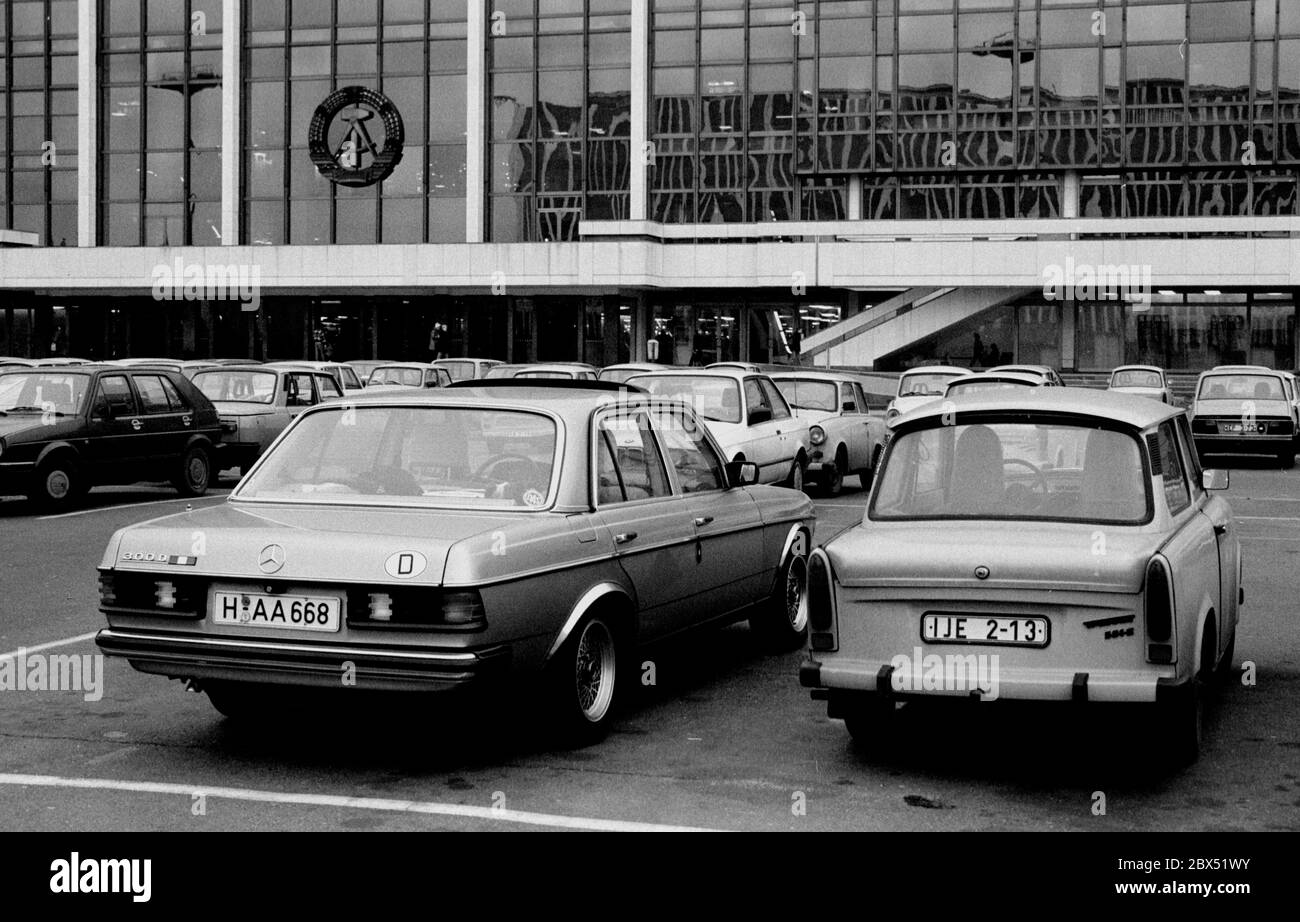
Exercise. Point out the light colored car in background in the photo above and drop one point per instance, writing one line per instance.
(467, 369)
(188, 367)
(344, 375)
(843, 438)
(1141, 380)
(620, 373)
(1051, 377)
(1061, 545)
(1245, 410)
(558, 371)
(620, 522)
(363, 367)
(747, 367)
(747, 415)
(918, 386)
(399, 375)
(7, 361)
(255, 403)
(982, 381)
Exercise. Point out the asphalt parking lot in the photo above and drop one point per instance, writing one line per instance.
(725, 739)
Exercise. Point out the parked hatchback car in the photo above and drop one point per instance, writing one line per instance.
(65, 430)
(345, 376)
(393, 539)
(256, 402)
(843, 438)
(1056, 545)
(746, 413)
(1142, 380)
(921, 385)
(1244, 410)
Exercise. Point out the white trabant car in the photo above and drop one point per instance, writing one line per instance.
(984, 381)
(345, 375)
(467, 369)
(1057, 544)
(620, 373)
(843, 438)
(400, 375)
(1142, 380)
(921, 385)
(746, 413)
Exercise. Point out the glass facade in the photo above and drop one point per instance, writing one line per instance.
(296, 54)
(559, 116)
(38, 119)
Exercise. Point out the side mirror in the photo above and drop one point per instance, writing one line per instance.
(1214, 480)
(742, 473)
(760, 415)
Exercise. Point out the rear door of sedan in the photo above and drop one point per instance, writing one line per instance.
(653, 529)
(728, 528)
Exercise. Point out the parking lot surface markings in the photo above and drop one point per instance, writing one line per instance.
(187, 791)
(81, 638)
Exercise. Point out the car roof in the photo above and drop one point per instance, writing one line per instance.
(1028, 369)
(566, 366)
(469, 358)
(564, 398)
(1120, 368)
(935, 370)
(829, 376)
(267, 369)
(732, 374)
(1129, 409)
(1240, 370)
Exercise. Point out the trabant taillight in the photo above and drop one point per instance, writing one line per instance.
(823, 637)
(1158, 597)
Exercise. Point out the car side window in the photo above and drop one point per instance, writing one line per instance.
(848, 399)
(153, 398)
(629, 466)
(699, 469)
(297, 391)
(1191, 460)
(1177, 494)
(115, 396)
(328, 387)
(178, 403)
(780, 409)
(754, 399)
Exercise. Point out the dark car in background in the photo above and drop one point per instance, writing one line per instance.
(65, 430)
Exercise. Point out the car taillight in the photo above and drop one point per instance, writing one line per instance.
(823, 637)
(463, 608)
(107, 589)
(1159, 603)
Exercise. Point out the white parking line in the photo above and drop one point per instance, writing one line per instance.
(161, 502)
(348, 803)
(1266, 518)
(50, 646)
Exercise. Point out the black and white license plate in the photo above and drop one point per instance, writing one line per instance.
(993, 630)
(291, 612)
(1239, 428)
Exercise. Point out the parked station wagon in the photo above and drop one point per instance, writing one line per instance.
(256, 403)
(393, 538)
(843, 439)
(65, 430)
(1052, 545)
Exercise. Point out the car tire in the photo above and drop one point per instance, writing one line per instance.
(58, 484)
(797, 478)
(583, 681)
(1182, 720)
(833, 482)
(194, 475)
(236, 700)
(1225, 670)
(1286, 459)
(782, 622)
(871, 722)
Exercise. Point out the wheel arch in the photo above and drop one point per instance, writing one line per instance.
(602, 597)
(56, 449)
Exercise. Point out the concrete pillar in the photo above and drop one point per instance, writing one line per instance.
(1070, 194)
(640, 180)
(1069, 327)
(231, 153)
(87, 121)
(855, 198)
(476, 123)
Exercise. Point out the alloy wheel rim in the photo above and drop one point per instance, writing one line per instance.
(198, 471)
(58, 484)
(796, 594)
(594, 671)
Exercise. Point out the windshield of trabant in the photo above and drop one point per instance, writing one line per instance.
(459, 457)
(42, 393)
(1240, 387)
(714, 397)
(924, 385)
(1136, 378)
(1002, 470)
(810, 395)
(237, 386)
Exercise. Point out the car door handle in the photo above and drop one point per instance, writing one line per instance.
(703, 520)
(626, 538)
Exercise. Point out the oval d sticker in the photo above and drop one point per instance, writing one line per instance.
(406, 565)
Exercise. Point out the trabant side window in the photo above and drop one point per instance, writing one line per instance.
(699, 469)
(1192, 460)
(629, 466)
(328, 387)
(1171, 470)
(848, 400)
